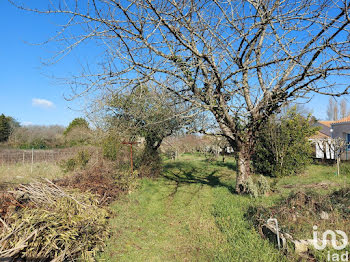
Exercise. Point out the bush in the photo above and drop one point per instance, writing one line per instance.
(258, 188)
(283, 146)
(78, 136)
(263, 185)
(83, 158)
(111, 146)
(79, 161)
(251, 187)
(37, 143)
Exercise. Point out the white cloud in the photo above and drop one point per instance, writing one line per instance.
(27, 123)
(43, 103)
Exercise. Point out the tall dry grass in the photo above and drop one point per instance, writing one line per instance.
(11, 174)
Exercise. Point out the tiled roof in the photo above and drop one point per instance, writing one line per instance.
(319, 135)
(343, 120)
(326, 123)
(329, 123)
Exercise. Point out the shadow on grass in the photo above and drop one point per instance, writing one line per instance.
(228, 165)
(184, 173)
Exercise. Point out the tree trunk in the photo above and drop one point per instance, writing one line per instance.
(151, 163)
(243, 157)
(338, 165)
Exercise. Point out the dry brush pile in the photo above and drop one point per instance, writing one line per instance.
(66, 219)
(103, 179)
(44, 222)
(301, 210)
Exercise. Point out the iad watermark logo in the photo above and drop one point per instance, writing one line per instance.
(321, 244)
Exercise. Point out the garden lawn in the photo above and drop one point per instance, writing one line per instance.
(190, 214)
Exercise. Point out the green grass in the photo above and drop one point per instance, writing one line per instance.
(320, 178)
(191, 214)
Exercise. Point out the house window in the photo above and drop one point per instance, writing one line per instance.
(348, 141)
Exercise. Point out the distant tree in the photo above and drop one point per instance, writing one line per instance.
(343, 108)
(335, 112)
(330, 109)
(282, 146)
(77, 122)
(37, 137)
(5, 128)
(78, 132)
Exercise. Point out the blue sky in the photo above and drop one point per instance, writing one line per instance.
(30, 92)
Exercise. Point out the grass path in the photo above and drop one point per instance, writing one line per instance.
(165, 223)
(189, 215)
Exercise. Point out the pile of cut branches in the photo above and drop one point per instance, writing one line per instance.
(52, 224)
(301, 210)
(102, 179)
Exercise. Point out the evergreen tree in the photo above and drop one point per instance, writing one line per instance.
(77, 122)
(5, 128)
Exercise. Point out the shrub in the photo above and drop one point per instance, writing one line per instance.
(263, 185)
(68, 165)
(79, 161)
(258, 188)
(83, 158)
(282, 147)
(36, 143)
(251, 187)
(111, 146)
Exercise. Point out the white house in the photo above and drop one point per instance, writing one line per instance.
(324, 147)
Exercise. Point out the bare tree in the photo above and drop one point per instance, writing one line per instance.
(240, 60)
(332, 110)
(332, 148)
(335, 112)
(343, 108)
(340, 146)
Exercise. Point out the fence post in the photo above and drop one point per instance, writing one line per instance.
(31, 168)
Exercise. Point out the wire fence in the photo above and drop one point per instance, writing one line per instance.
(12, 156)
